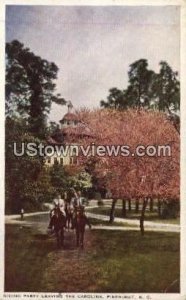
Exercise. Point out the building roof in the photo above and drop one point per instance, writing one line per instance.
(70, 117)
(52, 141)
(80, 130)
(69, 134)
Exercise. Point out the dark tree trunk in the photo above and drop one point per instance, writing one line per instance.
(159, 208)
(151, 205)
(137, 206)
(129, 205)
(112, 210)
(145, 201)
(124, 208)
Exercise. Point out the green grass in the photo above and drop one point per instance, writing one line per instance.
(25, 258)
(130, 263)
(107, 223)
(149, 216)
(111, 262)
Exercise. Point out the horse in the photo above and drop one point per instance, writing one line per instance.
(81, 221)
(58, 222)
(69, 215)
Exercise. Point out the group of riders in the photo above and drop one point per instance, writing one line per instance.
(69, 208)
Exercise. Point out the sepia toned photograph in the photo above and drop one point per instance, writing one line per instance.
(92, 149)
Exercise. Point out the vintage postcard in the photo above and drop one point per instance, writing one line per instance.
(93, 150)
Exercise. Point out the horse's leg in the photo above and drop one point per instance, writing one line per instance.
(58, 238)
(68, 222)
(77, 237)
(62, 237)
(82, 238)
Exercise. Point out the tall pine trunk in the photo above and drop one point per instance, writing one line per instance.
(151, 205)
(112, 210)
(124, 208)
(129, 205)
(159, 208)
(136, 205)
(145, 201)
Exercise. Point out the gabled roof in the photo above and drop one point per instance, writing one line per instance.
(70, 117)
(70, 133)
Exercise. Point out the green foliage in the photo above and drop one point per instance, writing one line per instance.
(80, 181)
(170, 209)
(139, 91)
(147, 89)
(30, 91)
(166, 89)
(27, 182)
(115, 100)
(62, 181)
(29, 86)
(59, 179)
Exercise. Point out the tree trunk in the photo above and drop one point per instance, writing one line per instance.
(151, 206)
(112, 210)
(124, 208)
(129, 205)
(145, 201)
(137, 206)
(159, 208)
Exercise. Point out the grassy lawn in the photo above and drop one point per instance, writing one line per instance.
(108, 224)
(111, 262)
(149, 216)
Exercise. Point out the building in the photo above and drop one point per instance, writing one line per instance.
(71, 130)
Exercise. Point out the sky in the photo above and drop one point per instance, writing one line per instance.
(93, 46)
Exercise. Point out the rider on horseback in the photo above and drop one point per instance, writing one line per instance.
(77, 204)
(58, 203)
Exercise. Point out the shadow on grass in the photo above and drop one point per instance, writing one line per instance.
(132, 215)
(111, 262)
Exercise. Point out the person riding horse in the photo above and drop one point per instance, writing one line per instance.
(58, 203)
(80, 222)
(58, 222)
(77, 204)
(59, 218)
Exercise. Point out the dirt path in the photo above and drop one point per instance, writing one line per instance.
(92, 269)
(65, 261)
(134, 224)
(130, 224)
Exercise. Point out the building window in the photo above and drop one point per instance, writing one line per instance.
(74, 151)
(61, 161)
(48, 160)
(75, 161)
(55, 161)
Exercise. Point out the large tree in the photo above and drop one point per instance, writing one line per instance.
(30, 86)
(134, 177)
(21, 172)
(166, 89)
(116, 100)
(147, 89)
(139, 90)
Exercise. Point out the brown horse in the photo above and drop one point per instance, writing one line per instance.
(81, 221)
(69, 215)
(58, 221)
